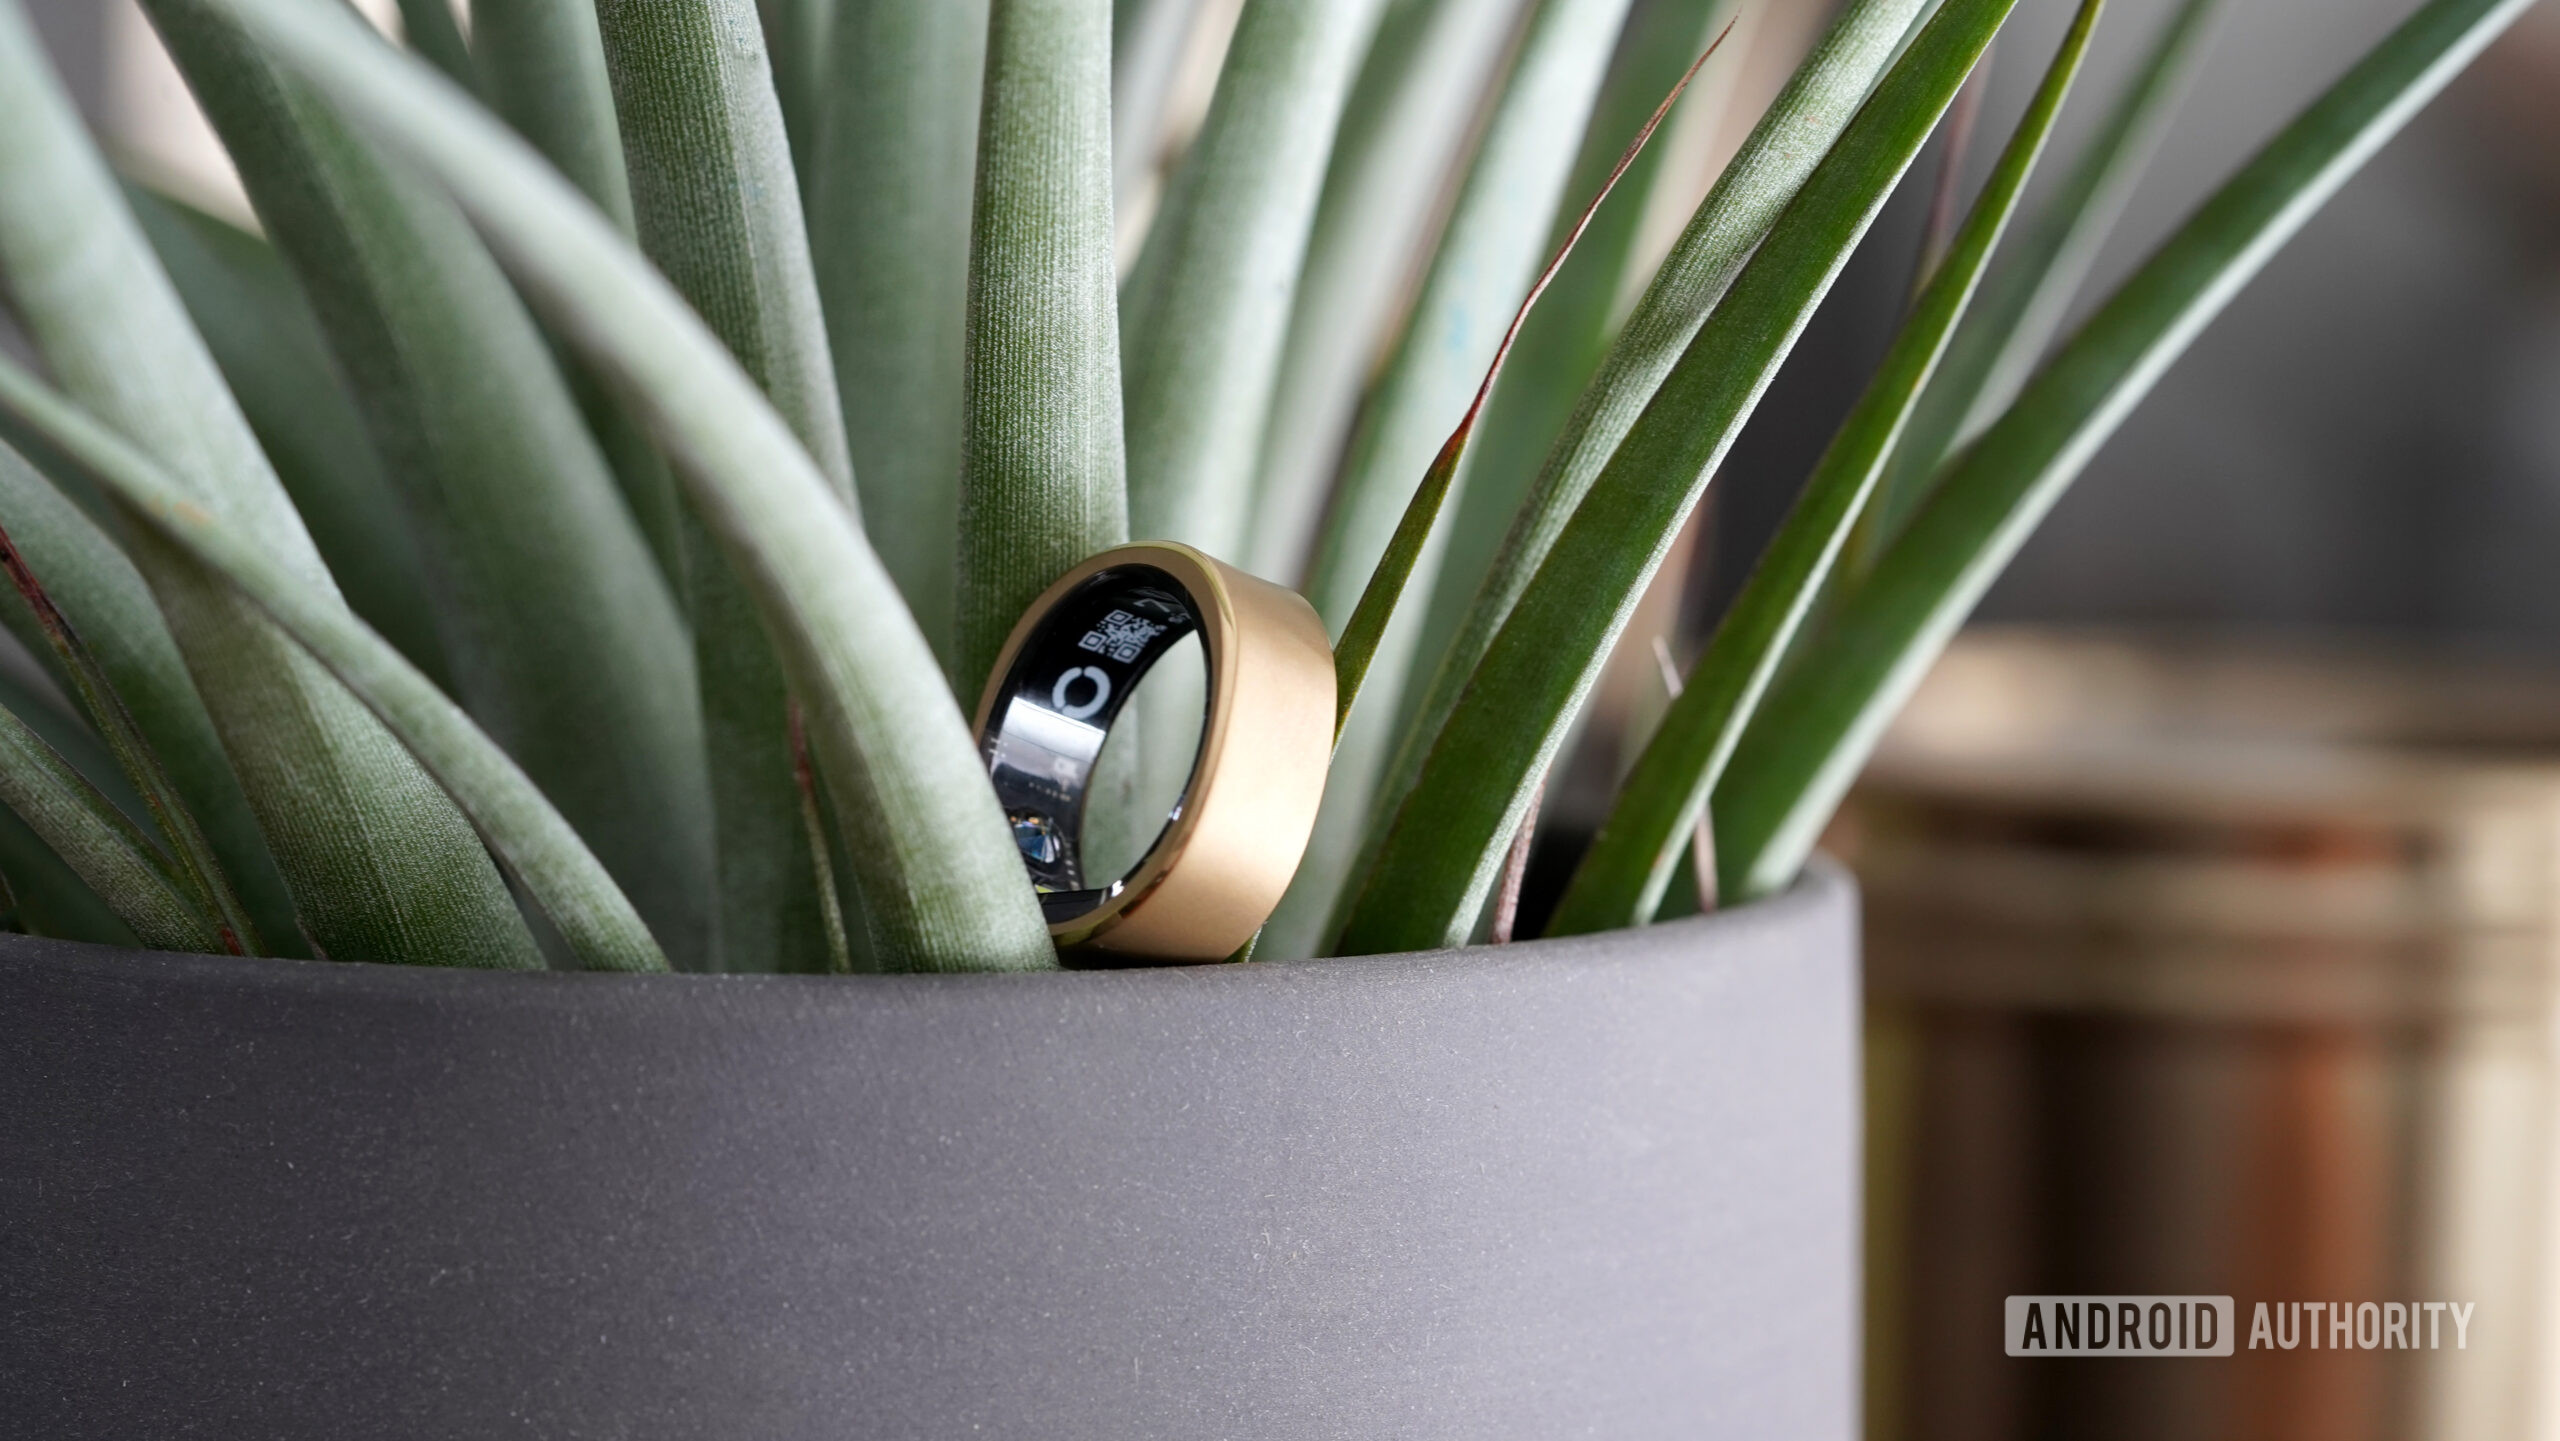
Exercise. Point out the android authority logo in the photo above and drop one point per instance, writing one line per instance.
(2165, 1326)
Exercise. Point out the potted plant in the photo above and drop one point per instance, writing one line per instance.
(574, 528)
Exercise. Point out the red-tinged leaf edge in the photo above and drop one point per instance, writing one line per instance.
(1515, 872)
(813, 821)
(190, 855)
(1358, 647)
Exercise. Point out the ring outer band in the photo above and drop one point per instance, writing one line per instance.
(1219, 868)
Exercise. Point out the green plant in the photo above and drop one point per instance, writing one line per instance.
(622, 449)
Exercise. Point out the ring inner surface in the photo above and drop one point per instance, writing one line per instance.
(1046, 728)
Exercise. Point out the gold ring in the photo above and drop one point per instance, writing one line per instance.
(1230, 844)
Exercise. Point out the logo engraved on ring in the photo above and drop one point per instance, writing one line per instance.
(1080, 711)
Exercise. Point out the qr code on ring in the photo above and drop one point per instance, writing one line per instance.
(1121, 636)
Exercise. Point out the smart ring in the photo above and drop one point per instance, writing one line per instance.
(1229, 846)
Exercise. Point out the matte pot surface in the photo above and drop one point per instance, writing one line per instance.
(1598, 1187)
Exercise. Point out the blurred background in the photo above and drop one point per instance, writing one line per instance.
(2211, 880)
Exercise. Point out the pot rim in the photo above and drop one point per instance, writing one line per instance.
(1816, 890)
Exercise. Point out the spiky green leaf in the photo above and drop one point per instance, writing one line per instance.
(889, 209)
(55, 716)
(99, 843)
(381, 865)
(1562, 346)
(191, 859)
(1488, 254)
(432, 30)
(717, 200)
(2024, 302)
(1631, 862)
(1204, 314)
(1402, 128)
(800, 35)
(719, 210)
(1444, 842)
(38, 893)
(558, 872)
(259, 326)
(1505, 209)
(940, 878)
(563, 638)
(119, 631)
(1799, 128)
(1814, 732)
(542, 64)
(1042, 482)
(1357, 648)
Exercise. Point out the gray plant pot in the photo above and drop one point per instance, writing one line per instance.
(1603, 1187)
